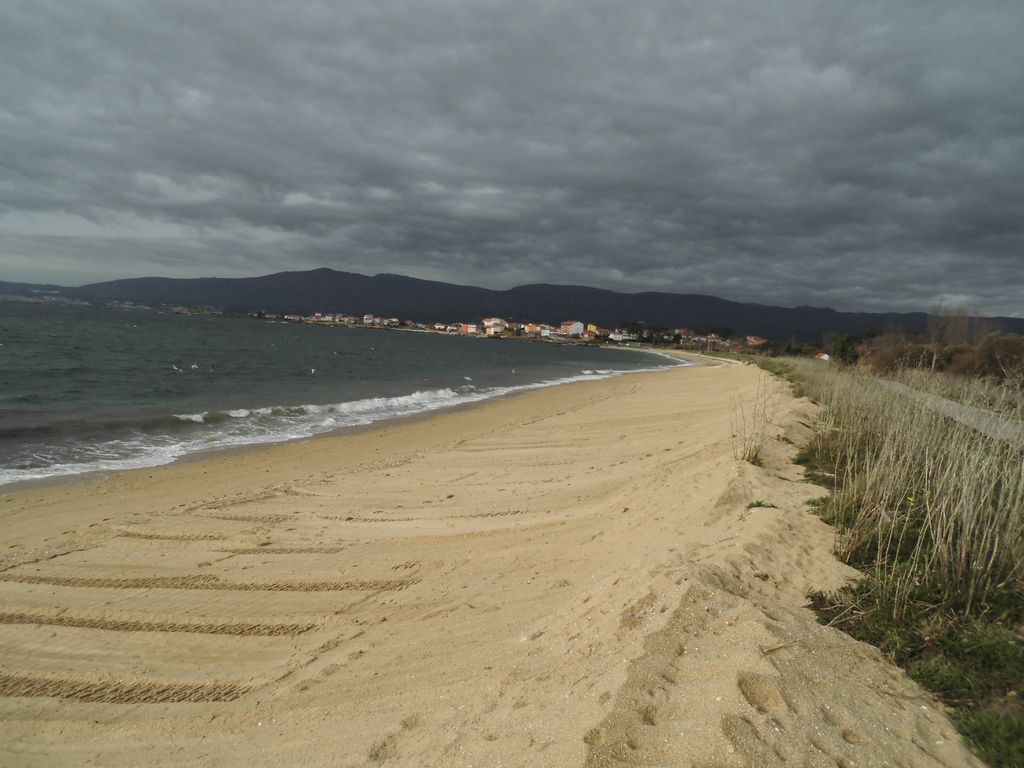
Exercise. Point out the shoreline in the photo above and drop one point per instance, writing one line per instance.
(579, 575)
(201, 454)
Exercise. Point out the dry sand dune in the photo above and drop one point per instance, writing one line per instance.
(570, 577)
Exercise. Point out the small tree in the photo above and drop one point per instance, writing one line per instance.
(844, 350)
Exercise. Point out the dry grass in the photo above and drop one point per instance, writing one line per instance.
(931, 504)
(932, 511)
(751, 418)
(1005, 398)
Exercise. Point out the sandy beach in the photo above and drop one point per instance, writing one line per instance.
(577, 576)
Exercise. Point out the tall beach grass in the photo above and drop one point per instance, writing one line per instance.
(932, 512)
(929, 503)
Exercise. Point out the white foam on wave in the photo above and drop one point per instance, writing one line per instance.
(274, 424)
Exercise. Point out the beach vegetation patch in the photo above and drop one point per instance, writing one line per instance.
(751, 418)
(928, 502)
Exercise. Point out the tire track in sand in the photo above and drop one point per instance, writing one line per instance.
(238, 518)
(283, 550)
(170, 536)
(119, 691)
(213, 582)
(239, 629)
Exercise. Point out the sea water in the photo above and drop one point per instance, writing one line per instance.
(88, 389)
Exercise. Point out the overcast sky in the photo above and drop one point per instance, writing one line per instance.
(860, 155)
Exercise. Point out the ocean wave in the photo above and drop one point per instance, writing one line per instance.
(149, 445)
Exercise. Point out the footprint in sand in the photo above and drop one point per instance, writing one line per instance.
(388, 748)
(762, 694)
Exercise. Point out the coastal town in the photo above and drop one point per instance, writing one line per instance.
(568, 331)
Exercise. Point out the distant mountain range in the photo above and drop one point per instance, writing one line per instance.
(327, 290)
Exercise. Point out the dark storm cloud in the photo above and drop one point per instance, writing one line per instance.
(859, 155)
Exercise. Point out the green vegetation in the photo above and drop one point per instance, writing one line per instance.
(844, 350)
(932, 512)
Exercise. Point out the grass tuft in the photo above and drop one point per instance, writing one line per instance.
(751, 419)
(999, 737)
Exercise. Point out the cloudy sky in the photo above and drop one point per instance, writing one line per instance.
(861, 155)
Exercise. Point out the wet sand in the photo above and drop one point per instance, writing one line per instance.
(579, 576)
